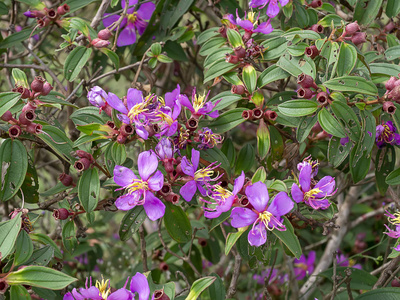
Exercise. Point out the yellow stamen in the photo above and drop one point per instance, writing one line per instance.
(265, 218)
(137, 184)
(221, 192)
(301, 266)
(102, 286)
(203, 173)
(165, 117)
(132, 17)
(199, 102)
(136, 110)
(250, 17)
(396, 220)
(311, 193)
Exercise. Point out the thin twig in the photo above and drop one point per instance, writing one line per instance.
(143, 248)
(235, 277)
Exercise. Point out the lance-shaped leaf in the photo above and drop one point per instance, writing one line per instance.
(177, 223)
(305, 125)
(232, 238)
(245, 160)
(347, 59)
(271, 74)
(337, 152)
(19, 292)
(89, 189)
(289, 238)
(263, 140)
(131, 222)
(23, 249)
(8, 100)
(366, 11)
(58, 141)
(234, 38)
(199, 286)
(348, 118)
(298, 108)
(8, 234)
(68, 236)
(352, 84)
(249, 76)
(384, 164)
(392, 8)
(330, 124)
(75, 61)
(394, 177)
(259, 175)
(227, 120)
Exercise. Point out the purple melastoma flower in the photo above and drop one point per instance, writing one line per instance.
(395, 220)
(199, 105)
(140, 190)
(273, 8)
(316, 196)
(134, 21)
(102, 290)
(386, 134)
(304, 265)
(249, 24)
(263, 216)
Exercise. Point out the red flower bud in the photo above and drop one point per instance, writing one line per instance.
(389, 27)
(84, 154)
(37, 84)
(247, 36)
(306, 81)
(270, 115)
(52, 14)
(305, 93)
(164, 267)
(63, 9)
(192, 124)
(47, 87)
(244, 202)
(121, 139)
(222, 31)
(7, 116)
(14, 131)
(173, 198)
(38, 13)
(111, 125)
(359, 38)
(318, 28)
(30, 105)
(316, 128)
(395, 93)
(160, 295)
(166, 189)
(126, 129)
(240, 52)
(233, 59)
(395, 283)
(34, 128)
(351, 28)
(257, 113)
(27, 117)
(391, 83)
(104, 34)
(238, 89)
(82, 164)
(66, 179)
(247, 114)
(43, 22)
(312, 51)
(316, 3)
(61, 214)
(389, 107)
(99, 43)
(25, 93)
(322, 98)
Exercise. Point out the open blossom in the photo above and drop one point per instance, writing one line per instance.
(140, 190)
(316, 196)
(304, 265)
(386, 134)
(395, 220)
(249, 24)
(197, 179)
(223, 198)
(263, 216)
(344, 261)
(314, 165)
(101, 290)
(199, 105)
(132, 23)
(273, 8)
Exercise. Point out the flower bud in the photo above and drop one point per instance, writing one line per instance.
(82, 164)
(322, 98)
(238, 89)
(395, 283)
(52, 14)
(247, 114)
(27, 117)
(233, 59)
(247, 36)
(7, 117)
(192, 124)
(351, 28)
(173, 198)
(359, 38)
(66, 179)
(25, 93)
(63, 9)
(166, 189)
(126, 130)
(160, 295)
(318, 28)
(240, 52)
(29, 14)
(202, 242)
(257, 113)
(4, 285)
(43, 22)
(38, 13)
(30, 105)
(121, 139)
(312, 51)
(111, 125)
(164, 267)
(316, 128)
(306, 81)
(389, 107)
(222, 31)
(14, 131)
(34, 128)
(395, 93)
(104, 34)
(61, 214)
(316, 3)
(389, 27)
(390, 84)
(99, 43)
(47, 87)
(270, 115)
(305, 93)
(84, 154)
(37, 84)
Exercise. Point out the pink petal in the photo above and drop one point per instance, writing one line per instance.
(153, 206)
(146, 10)
(127, 36)
(242, 217)
(257, 194)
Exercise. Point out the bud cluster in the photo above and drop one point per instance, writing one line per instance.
(48, 15)
(102, 39)
(352, 32)
(85, 160)
(393, 89)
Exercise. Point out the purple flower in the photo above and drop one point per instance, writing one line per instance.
(140, 190)
(165, 149)
(273, 8)
(199, 105)
(385, 134)
(196, 178)
(249, 24)
(344, 141)
(316, 196)
(314, 165)
(97, 97)
(395, 220)
(304, 266)
(397, 248)
(223, 198)
(264, 274)
(208, 139)
(134, 21)
(263, 216)
(102, 290)
(343, 261)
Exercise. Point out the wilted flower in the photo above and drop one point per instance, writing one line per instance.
(273, 8)
(314, 165)
(386, 134)
(97, 97)
(208, 139)
(134, 21)
(140, 190)
(263, 216)
(304, 266)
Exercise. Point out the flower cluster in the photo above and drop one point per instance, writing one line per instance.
(47, 16)
(352, 32)
(386, 134)
(393, 89)
(273, 8)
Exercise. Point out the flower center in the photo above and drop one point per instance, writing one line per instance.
(221, 193)
(136, 110)
(165, 117)
(132, 17)
(387, 134)
(199, 102)
(302, 266)
(250, 17)
(265, 218)
(396, 220)
(102, 286)
(137, 184)
(203, 173)
(311, 193)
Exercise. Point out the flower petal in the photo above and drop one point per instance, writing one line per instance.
(127, 36)
(133, 97)
(107, 21)
(156, 181)
(258, 235)
(195, 158)
(187, 167)
(242, 217)
(140, 285)
(280, 205)
(146, 10)
(305, 177)
(127, 202)
(188, 190)
(68, 296)
(131, 2)
(91, 293)
(147, 164)
(257, 194)
(184, 100)
(116, 103)
(273, 9)
(153, 206)
(227, 204)
(297, 194)
(212, 214)
(237, 186)
(326, 185)
(123, 176)
(141, 131)
(121, 294)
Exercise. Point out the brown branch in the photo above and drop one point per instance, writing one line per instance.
(100, 12)
(115, 71)
(143, 248)
(235, 277)
(387, 272)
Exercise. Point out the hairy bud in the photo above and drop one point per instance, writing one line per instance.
(126, 129)
(84, 154)
(322, 98)
(233, 59)
(66, 179)
(7, 117)
(34, 128)
(104, 34)
(238, 89)
(257, 113)
(318, 28)
(82, 164)
(173, 198)
(160, 295)
(316, 3)
(240, 52)
(121, 139)
(47, 88)
(99, 43)
(351, 28)
(14, 131)
(192, 124)
(37, 84)
(247, 114)
(61, 214)
(359, 38)
(306, 81)
(270, 115)
(305, 93)
(26, 117)
(389, 107)
(63, 9)
(312, 51)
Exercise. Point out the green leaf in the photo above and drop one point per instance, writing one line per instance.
(225, 99)
(384, 165)
(227, 120)
(89, 189)
(297, 65)
(275, 47)
(392, 8)
(217, 221)
(18, 37)
(156, 49)
(263, 140)
(347, 59)
(360, 279)
(386, 69)
(229, 150)
(352, 84)
(8, 235)
(327, 20)
(394, 177)
(75, 61)
(359, 163)
(20, 78)
(337, 152)
(170, 17)
(217, 289)
(3, 9)
(298, 108)
(131, 222)
(249, 76)
(300, 33)
(46, 240)
(164, 59)
(271, 74)
(366, 11)
(348, 118)
(152, 62)
(177, 223)
(68, 236)
(259, 175)
(14, 163)
(211, 45)
(23, 248)
(388, 293)
(232, 238)
(392, 53)
(289, 238)
(216, 155)
(41, 256)
(246, 159)
(80, 25)
(330, 124)
(59, 142)
(219, 68)
(206, 35)
(8, 100)
(234, 37)
(19, 292)
(300, 15)
(40, 277)
(278, 185)
(199, 286)
(217, 55)
(304, 128)
(112, 56)
(118, 153)
(74, 5)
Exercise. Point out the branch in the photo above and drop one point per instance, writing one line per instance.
(22, 66)
(143, 248)
(115, 71)
(235, 277)
(100, 12)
